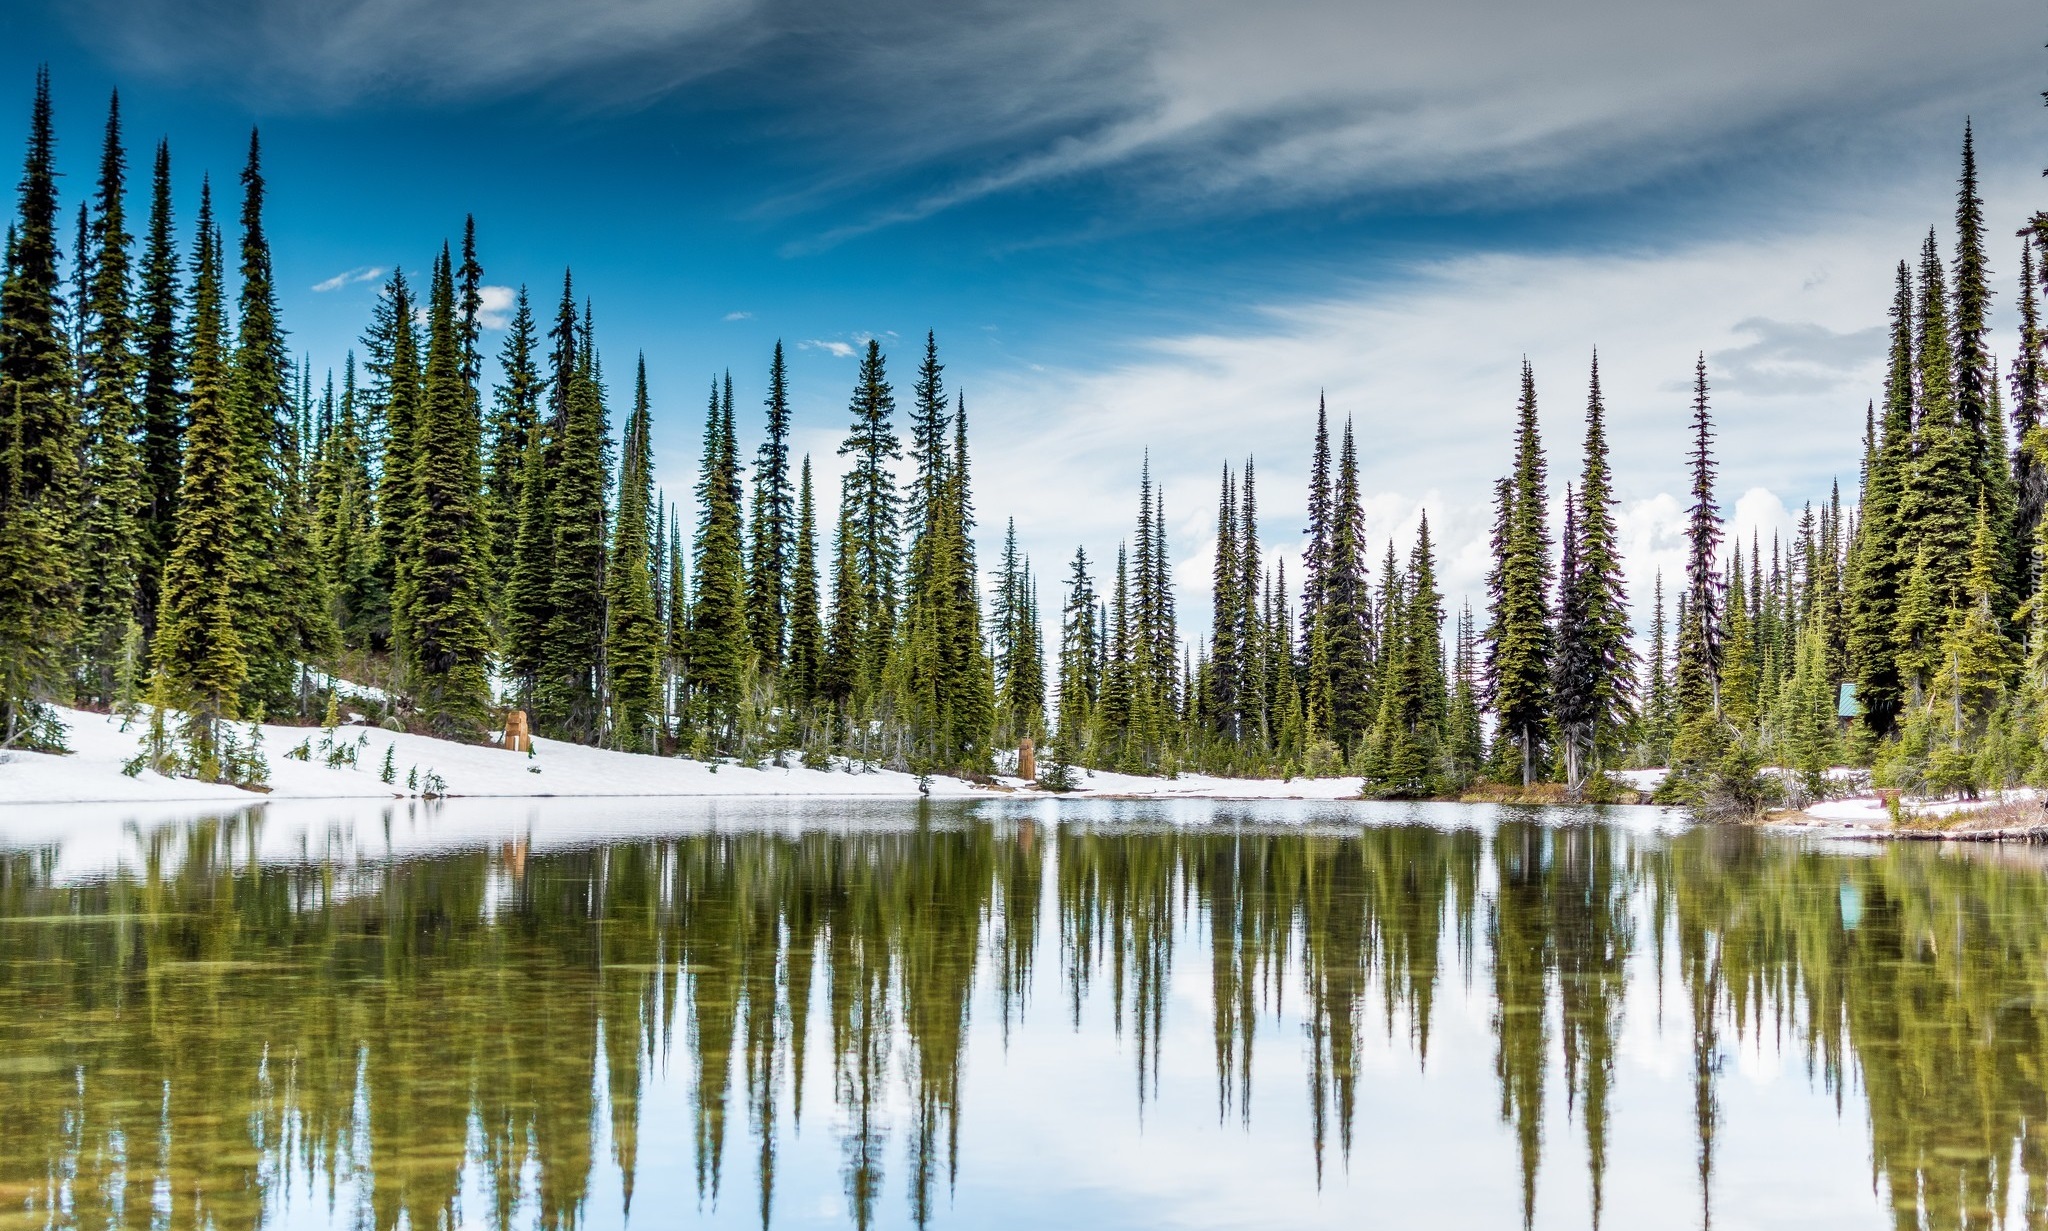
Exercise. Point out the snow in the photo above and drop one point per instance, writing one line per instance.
(100, 745)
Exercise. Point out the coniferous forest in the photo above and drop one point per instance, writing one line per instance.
(200, 526)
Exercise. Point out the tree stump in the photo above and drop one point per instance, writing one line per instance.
(1027, 760)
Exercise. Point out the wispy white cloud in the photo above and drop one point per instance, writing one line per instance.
(838, 350)
(365, 273)
(738, 316)
(1425, 365)
(495, 309)
(336, 52)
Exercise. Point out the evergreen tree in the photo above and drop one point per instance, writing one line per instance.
(569, 699)
(345, 525)
(199, 648)
(1407, 740)
(1079, 678)
(1941, 492)
(1976, 658)
(392, 347)
(40, 432)
(1976, 379)
(1697, 687)
(445, 604)
(282, 609)
(514, 416)
(1602, 668)
(111, 550)
(720, 647)
(772, 532)
(1225, 664)
(806, 623)
(1519, 642)
(161, 361)
(2029, 382)
(1886, 551)
(529, 598)
(870, 519)
(1340, 666)
(634, 640)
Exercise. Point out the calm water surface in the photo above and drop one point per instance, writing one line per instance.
(564, 1015)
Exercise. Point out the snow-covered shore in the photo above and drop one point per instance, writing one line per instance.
(100, 746)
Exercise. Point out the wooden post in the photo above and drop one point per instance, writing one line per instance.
(517, 737)
(1027, 760)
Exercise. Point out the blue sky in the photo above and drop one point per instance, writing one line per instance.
(1134, 225)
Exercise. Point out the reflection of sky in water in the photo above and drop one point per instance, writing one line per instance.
(1055, 1124)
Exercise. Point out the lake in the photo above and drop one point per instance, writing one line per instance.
(565, 1014)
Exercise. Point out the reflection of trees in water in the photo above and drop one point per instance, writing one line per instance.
(184, 1043)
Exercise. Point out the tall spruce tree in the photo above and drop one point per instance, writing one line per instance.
(39, 435)
(634, 642)
(1940, 500)
(2030, 452)
(1885, 553)
(200, 649)
(162, 408)
(515, 412)
(1594, 673)
(771, 534)
(806, 622)
(1696, 689)
(446, 603)
(1406, 751)
(283, 611)
(1341, 682)
(1079, 676)
(111, 549)
(1976, 378)
(720, 646)
(570, 695)
(1519, 641)
(870, 519)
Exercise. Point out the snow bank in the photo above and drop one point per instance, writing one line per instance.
(92, 774)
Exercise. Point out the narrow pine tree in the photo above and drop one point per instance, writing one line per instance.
(806, 622)
(569, 697)
(39, 432)
(283, 611)
(1519, 641)
(633, 645)
(199, 648)
(1886, 553)
(720, 646)
(111, 548)
(161, 360)
(514, 414)
(772, 530)
(870, 520)
(446, 605)
(1696, 690)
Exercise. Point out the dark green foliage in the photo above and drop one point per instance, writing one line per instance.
(771, 535)
(281, 607)
(804, 670)
(515, 415)
(39, 433)
(161, 361)
(568, 697)
(1882, 558)
(1593, 672)
(634, 642)
(1406, 753)
(200, 651)
(1940, 499)
(1079, 667)
(110, 542)
(865, 595)
(1519, 640)
(719, 644)
(444, 604)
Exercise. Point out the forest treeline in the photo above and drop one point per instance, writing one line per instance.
(194, 522)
